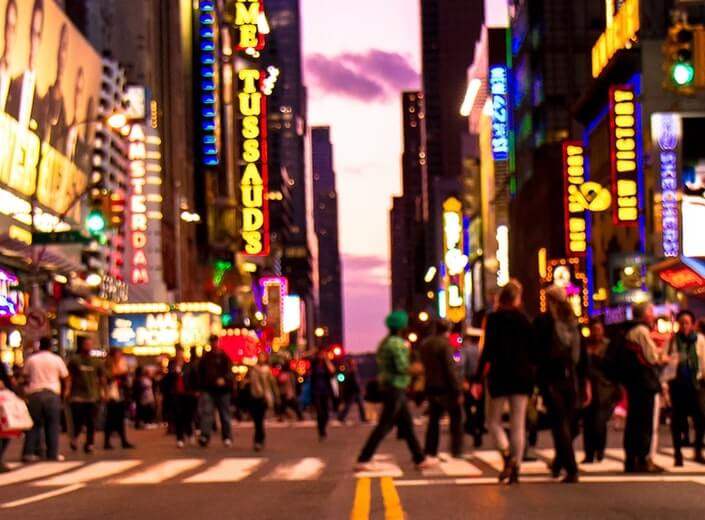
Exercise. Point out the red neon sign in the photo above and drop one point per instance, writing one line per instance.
(682, 278)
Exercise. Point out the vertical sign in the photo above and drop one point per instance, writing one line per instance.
(666, 132)
(500, 112)
(249, 18)
(502, 255)
(623, 156)
(137, 155)
(275, 290)
(254, 177)
(456, 261)
(207, 73)
(575, 212)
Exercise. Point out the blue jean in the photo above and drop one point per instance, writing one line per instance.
(45, 409)
(206, 404)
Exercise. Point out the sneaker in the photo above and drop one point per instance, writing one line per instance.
(427, 463)
(227, 443)
(365, 467)
(179, 444)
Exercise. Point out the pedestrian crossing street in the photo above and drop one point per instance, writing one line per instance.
(479, 467)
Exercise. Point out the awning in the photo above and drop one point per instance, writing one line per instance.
(683, 273)
(63, 259)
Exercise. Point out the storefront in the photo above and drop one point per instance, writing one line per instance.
(12, 318)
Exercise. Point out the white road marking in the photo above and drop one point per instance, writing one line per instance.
(227, 470)
(41, 469)
(605, 466)
(43, 496)
(452, 467)
(384, 467)
(309, 468)
(667, 463)
(615, 453)
(160, 472)
(95, 471)
(494, 460)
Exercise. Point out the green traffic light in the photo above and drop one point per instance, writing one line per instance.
(682, 74)
(95, 222)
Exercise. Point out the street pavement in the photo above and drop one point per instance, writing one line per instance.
(298, 477)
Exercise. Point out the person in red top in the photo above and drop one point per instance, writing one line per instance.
(181, 385)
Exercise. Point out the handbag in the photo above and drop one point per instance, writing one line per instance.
(14, 414)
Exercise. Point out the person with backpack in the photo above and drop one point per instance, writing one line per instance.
(394, 378)
(561, 364)
(686, 384)
(640, 373)
(507, 362)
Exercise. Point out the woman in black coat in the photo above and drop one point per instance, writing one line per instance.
(507, 359)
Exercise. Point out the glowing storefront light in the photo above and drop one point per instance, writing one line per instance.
(455, 260)
(623, 155)
(568, 273)
(666, 132)
(621, 31)
(575, 212)
(500, 112)
(502, 255)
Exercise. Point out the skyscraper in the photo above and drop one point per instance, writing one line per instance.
(330, 299)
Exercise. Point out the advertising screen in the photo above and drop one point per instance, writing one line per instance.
(50, 81)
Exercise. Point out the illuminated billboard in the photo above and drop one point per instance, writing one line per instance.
(575, 211)
(274, 292)
(666, 133)
(624, 163)
(569, 274)
(693, 186)
(49, 94)
(455, 260)
(620, 32)
(250, 25)
(498, 84)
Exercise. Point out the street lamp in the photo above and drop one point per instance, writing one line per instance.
(319, 332)
(423, 316)
(116, 120)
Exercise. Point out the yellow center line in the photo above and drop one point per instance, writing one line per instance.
(392, 503)
(361, 504)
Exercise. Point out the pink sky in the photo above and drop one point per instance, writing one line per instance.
(359, 56)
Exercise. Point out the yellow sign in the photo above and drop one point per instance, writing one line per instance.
(623, 146)
(455, 260)
(247, 23)
(619, 35)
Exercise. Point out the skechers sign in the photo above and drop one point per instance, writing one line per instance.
(500, 112)
(666, 132)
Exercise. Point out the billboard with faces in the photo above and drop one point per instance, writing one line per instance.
(50, 81)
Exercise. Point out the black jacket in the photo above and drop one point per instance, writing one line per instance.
(439, 366)
(509, 346)
(552, 367)
(213, 366)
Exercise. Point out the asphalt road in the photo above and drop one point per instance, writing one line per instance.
(298, 477)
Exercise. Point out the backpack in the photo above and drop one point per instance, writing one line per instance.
(565, 344)
(625, 364)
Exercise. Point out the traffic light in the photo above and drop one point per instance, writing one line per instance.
(97, 219)
(684, 64)
(116, 218)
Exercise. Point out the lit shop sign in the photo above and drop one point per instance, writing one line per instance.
(137, 155)
(160, 329)
(500, 112)
(576, 215)
(502, 255)
(621, 30)
(208, 76)
(274, 292)
(568, 274)
(683, 278)
(693, 216)
(11, 299)
(249, 17)
(254, 176)
(456, 261)
(666, 132)
(623, 155)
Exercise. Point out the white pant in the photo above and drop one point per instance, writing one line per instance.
(517, 424)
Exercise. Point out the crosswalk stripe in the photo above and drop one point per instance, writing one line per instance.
(668, 464)
(385, 467)
(494, 460)
(42, 469)
(615, 453)
(95, 471)
(452, 467)
(606, 465)
(161, 472)
(308, 468)
(43, 496)
(227, 470)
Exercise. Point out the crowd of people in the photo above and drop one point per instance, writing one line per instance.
(543, 374)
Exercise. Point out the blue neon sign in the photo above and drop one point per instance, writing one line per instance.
(500, 112)
(208, 97)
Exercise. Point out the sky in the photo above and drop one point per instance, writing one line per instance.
(358, 58)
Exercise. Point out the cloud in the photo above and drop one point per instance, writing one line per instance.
(371, 76)
(364, 262)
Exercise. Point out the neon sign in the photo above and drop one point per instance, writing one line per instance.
(621, 30)
(682, 278)
(456, 261)
(623, 155)
(137, 155)
(248, 19)
(568, 274)
(575, 213)
(11, 300)
(207, 70)
(500, 112)
(502, 255)
(275, 291)
(666, 131)
(254, 177)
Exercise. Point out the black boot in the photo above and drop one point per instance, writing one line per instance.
(506, 470)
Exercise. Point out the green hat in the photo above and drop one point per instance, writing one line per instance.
(397, 320)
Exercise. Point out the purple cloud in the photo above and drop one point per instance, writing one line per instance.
(370, 76)
(333, 76)
(364, 263)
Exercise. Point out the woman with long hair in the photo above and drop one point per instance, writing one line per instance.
(559, 354)
(506, 362)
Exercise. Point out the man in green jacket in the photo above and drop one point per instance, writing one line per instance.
(393, 376)
(87, 375)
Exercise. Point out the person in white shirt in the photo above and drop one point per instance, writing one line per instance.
(9, 41)
(45, 375)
